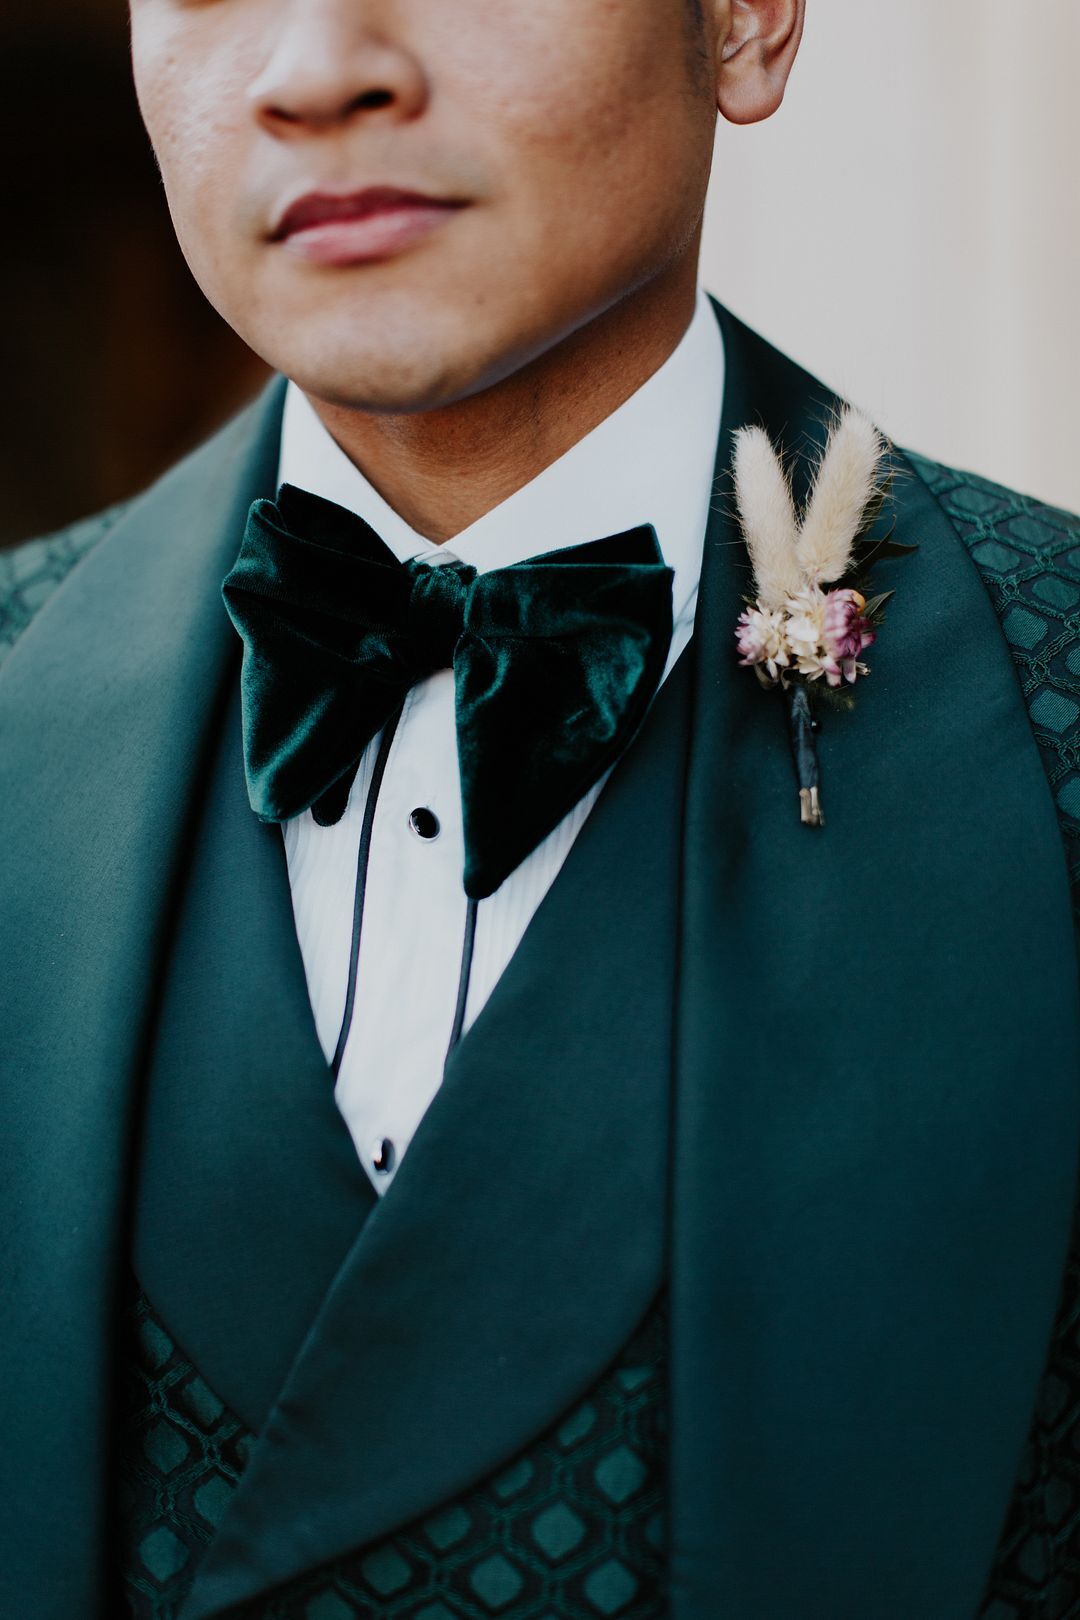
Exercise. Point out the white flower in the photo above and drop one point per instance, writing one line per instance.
(806, 632)
(761, 639)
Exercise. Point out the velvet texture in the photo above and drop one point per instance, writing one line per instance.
(555, 661)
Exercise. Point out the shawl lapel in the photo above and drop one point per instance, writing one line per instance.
(520, 1243)
(877, 1101)
(105, 706)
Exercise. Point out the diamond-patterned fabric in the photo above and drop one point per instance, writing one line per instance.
(572, 1529)
(30, 573)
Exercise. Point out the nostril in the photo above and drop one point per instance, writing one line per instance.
(372, 99)
(313, 104)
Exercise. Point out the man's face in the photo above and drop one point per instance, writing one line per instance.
(400, 202)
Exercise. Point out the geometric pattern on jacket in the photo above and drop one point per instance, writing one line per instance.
(1028, 555)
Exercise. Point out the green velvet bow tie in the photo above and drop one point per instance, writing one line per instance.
(554, 659)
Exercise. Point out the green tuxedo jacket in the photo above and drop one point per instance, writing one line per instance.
(822, 1085)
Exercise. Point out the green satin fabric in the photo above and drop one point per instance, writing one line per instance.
(555, 661)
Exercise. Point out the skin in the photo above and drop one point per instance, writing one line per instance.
(576, 134)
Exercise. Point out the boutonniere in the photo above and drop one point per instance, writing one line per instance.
(812, 615)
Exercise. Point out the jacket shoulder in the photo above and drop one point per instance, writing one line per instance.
(978, 509)
(1028, 554)
(30, 572)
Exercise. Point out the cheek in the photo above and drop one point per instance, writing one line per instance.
(604, 182)
(589, 110)
(193, 104)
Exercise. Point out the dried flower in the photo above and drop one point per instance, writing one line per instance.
(760, 635)
(806, 631)
(847, 633)
(847, 630)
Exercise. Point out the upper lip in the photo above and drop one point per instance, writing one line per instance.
(317, 207)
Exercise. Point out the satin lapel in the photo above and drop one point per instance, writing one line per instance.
(105, 704)
(877, 1118)
(523, 1238)
(250, 1190)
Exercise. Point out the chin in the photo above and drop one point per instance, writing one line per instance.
(421, 345)
(369, 371)
(360, 351)
(375, 381)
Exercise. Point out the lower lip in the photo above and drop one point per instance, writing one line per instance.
(365, 240)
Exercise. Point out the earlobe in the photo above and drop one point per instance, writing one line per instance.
(759, 43)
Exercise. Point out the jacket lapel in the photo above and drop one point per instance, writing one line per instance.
(105, 704)
(523, 1238)
(877, 1115)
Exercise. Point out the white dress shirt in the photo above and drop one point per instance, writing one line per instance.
(649, 462)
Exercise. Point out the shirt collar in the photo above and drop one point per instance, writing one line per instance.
(650, 461)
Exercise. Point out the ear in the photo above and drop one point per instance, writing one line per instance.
(756, 47)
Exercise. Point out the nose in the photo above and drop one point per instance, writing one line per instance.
(329, 65)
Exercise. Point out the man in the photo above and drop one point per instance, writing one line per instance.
(716, 1272)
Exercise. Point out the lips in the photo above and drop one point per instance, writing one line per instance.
(361, 226)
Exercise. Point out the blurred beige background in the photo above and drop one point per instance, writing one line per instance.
(908, 227)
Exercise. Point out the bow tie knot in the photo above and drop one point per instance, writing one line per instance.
(568, 651)
(436, 613)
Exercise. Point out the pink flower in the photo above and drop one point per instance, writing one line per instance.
(845, 634)
(760, 637)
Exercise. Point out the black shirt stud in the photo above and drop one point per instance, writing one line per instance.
(424, 823)
(383, 1156)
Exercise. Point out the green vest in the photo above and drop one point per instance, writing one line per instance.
(573, 1528)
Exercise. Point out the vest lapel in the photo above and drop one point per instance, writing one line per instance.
(877, 1116)
(523, 1238)
(105, 703)
(250, 1192)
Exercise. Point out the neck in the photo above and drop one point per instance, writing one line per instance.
(443, 469)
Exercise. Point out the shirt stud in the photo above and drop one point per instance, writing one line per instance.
(424, 823)
(383, 1156)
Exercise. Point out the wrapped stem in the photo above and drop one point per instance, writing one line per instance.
(804, 752)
